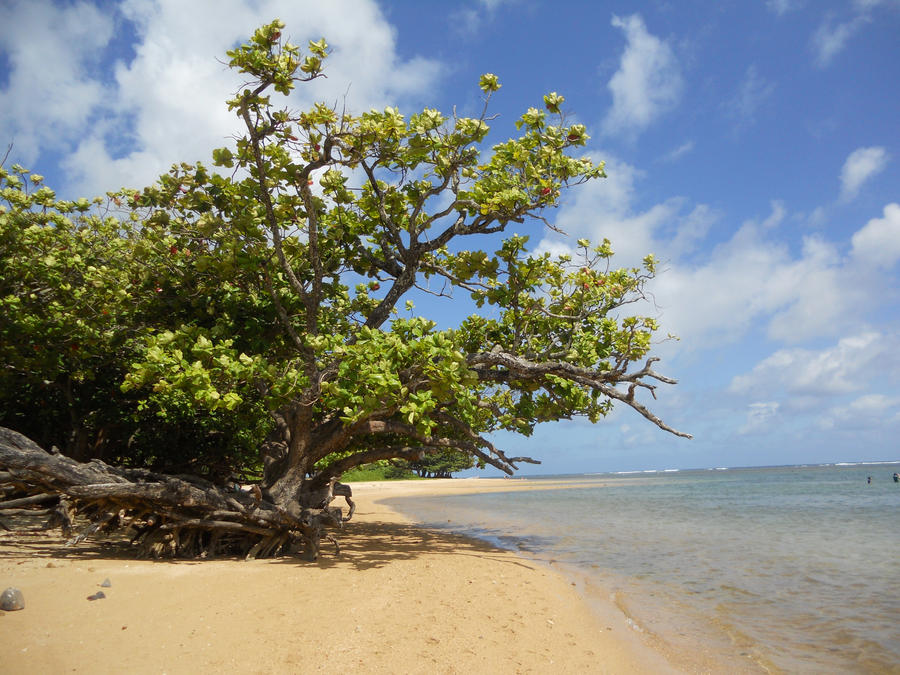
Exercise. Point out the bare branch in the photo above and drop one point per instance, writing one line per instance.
(519, 368)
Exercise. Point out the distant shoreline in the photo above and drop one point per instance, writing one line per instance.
(637, 472)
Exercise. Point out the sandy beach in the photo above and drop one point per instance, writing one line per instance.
(399, 599)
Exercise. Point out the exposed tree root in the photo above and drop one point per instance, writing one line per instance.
(171, 516)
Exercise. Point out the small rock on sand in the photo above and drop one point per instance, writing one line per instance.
(97, 596)
(106, 583)
(12, 599)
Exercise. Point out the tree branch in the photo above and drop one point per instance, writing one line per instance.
(519, 368)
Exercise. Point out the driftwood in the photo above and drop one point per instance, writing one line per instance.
(183, 516)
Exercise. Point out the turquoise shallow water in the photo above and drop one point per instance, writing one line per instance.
(792, 569)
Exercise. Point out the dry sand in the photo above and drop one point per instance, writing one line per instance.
(399, 599)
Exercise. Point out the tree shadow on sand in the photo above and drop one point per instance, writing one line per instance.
(364, 545)
(373, 544)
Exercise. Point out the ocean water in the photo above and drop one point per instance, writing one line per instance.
(777, 569)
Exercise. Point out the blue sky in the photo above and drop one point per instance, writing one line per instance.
(753, 146)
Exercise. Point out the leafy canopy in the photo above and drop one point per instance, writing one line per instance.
(282, 277)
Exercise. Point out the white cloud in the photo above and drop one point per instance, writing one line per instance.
(492, 5)
(830, 38)
(832, 35)
(758, 416)
(647, 83)
(751, 281)
(691, 230)
(679, 152)
(470, 20)
(865, 411)
(775, 218)
(878, 243)
(874, 404)
(169, 99)
(814, 295)
(605, 209)
(49, 97)
(843, 368)
(718, 301)
(861, 165)
(755, 282)
(751, 95)
(781, 7)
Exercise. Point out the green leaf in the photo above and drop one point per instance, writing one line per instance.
(489, 83)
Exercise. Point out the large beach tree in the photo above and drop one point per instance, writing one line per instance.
(290, 275)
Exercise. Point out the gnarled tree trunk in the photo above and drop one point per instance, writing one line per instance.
(181, 516)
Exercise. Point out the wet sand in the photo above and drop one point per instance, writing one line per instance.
(399, 599)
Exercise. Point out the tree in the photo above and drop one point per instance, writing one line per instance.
(80, 289)
(65, 306)
(328, 222)
(442, 464)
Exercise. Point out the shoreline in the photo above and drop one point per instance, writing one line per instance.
(677, 648)
(400, 598)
